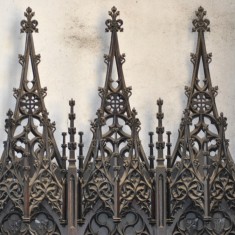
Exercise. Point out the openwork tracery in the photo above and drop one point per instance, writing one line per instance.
(116, 168)
(202, 177)
(116, 190)
(28, 175)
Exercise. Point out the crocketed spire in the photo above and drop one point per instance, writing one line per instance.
(28, 173)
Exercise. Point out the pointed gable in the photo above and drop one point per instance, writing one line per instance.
(116, 168)
(31, 160)
(202, 180)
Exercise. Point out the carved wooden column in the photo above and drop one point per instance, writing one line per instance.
(64, 215)
(206, 182)
(160, 175)
(72, 175)
(26, 217)
(80, 180)
(168, 180)
(152, 178)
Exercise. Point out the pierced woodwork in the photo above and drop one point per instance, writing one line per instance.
(29, 175)
(116, 170)
(202, 170)
(115, 188)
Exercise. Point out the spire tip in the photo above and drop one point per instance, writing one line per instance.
(114, 25)
(29, 25)
(200, 24)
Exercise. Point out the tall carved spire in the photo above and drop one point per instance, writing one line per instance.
(201, 97)
(28, 174)
(160, 175)
(116, 169)
(72, 177)
(202, 174)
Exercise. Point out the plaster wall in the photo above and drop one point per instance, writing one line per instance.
(157, 40)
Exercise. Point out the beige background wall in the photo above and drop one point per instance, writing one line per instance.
(157, 40)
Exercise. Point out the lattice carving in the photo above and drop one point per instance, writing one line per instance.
(29, 175)
(116, 167)
(186, 181)
(202, 171)
(115, 190)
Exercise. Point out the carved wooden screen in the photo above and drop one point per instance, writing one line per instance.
(110, 193)
(30, 176)
(202, 175)
(116, 190)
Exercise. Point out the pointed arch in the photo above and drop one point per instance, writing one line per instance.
(29, 175)
(202, 179)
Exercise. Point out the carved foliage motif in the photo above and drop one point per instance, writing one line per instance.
(115, 158)
(11, 187)
(186, 185)
(43, 182)
(114, 24)
(29, 25)
(46, 186)
(135, 188)
(98, 187)
(116, 174)
(201, 24)
(11, 182)
(223, 186)
(28, 175)
(201, 154)
(186, 182)
(201, 103)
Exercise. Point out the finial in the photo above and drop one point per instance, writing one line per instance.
(72, 103)
(200, 24)
(160, 116)
(29, 25)
(114, 25)
(100, 120)
(72, 115)
(9, 121)
(160, 130)
(222, 121)
(186, 120)
(72, 130)
(9, 113)
(159, 102)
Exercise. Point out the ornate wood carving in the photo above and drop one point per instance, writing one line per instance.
(116, 190)
(202, 179)
(29, 176)
(116, 170)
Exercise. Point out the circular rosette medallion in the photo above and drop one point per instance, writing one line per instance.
(115, 103)
(201, 102)
(29, 104)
